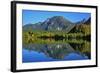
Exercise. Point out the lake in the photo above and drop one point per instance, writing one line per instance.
(56, 51)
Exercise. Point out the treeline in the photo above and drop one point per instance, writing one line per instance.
(84, 29)
(78, 32)
(49, 34)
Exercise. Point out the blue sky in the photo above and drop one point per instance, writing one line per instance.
(34, 16)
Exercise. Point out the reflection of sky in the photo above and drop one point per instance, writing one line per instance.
(32, 56)
(33, 16)
(75, 56)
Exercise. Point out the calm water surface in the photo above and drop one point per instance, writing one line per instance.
(55, 52)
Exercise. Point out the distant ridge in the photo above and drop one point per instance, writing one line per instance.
(55, 23)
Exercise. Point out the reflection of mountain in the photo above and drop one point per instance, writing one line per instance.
(57, 51)
(83, 48)
(58, 23)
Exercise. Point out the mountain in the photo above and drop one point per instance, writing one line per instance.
(57, 23)
(83, 26)
(80, 22)
(36, 26)
(51, 24)
(88, 21)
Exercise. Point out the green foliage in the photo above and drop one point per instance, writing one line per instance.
(84, 29)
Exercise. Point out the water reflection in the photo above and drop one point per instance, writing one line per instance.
(61, 50)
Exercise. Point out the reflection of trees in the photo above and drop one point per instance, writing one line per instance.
(84, 48)
(59, 51)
